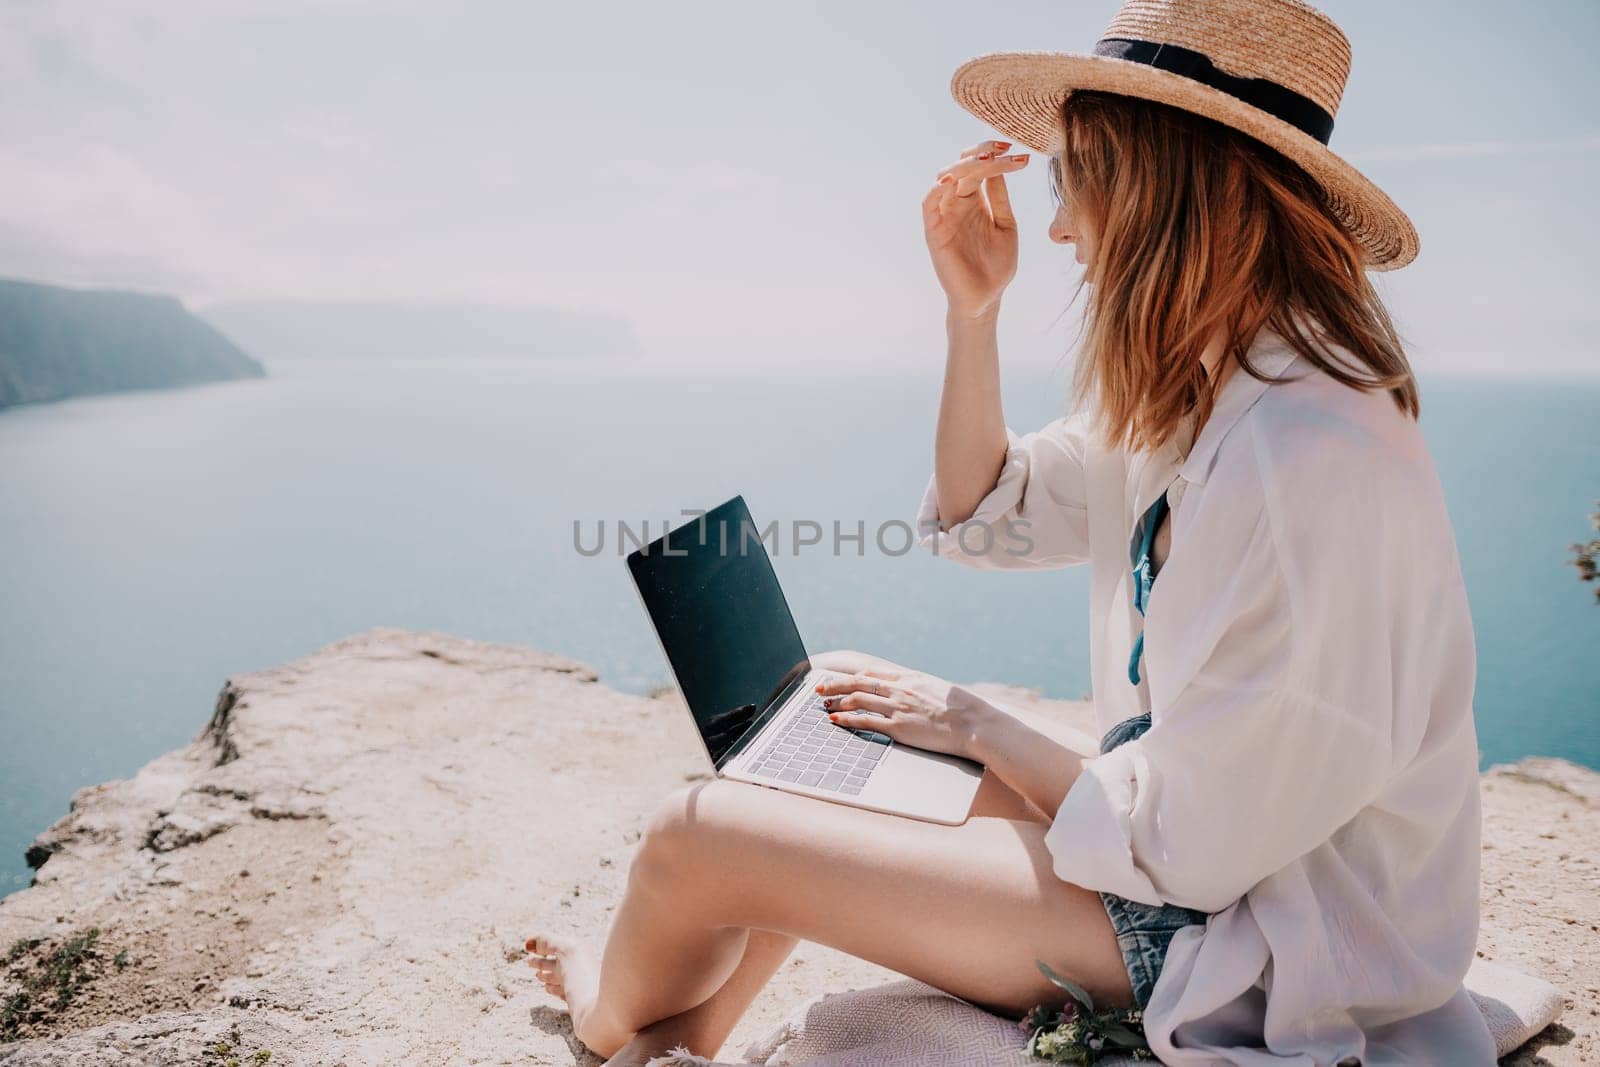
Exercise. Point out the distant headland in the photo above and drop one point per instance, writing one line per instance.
(412, 329)
(57, 342)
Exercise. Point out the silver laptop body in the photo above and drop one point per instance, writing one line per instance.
(736, 655)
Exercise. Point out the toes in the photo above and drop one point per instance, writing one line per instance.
(549, 958)
(551, 978)
(544, 945)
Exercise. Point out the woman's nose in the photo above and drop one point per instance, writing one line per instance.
(1060, 233)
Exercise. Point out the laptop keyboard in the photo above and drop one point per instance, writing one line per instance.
(813, 750)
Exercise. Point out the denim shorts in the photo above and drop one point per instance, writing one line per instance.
(1143, 930)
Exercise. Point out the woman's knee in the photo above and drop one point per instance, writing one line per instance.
(683, 831)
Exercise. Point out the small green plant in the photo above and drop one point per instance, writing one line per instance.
(1586, 557)
(65, 970)
(50, 985)
(13, 1010)
(121, 959)
(1076, 1033)
(231, 1054)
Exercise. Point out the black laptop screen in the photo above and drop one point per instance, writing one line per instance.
(724, 625)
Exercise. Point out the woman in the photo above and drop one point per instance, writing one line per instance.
(1273, 849)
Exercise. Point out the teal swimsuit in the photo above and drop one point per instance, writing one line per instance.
(1144, 571)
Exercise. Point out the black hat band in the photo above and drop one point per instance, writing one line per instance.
(1298, 111)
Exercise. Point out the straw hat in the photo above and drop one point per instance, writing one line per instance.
(1274, 69)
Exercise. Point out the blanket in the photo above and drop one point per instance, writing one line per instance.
(911, 1024)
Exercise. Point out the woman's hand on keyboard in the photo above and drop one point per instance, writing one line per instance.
(910, 706)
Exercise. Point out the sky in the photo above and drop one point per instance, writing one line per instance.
(742, 180)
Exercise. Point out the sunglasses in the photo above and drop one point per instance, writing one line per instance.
(1057, 186)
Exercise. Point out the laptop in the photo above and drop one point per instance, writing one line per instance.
(737, 657)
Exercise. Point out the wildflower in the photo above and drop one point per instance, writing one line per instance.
(1077, 1033)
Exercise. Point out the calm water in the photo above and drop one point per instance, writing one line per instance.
(152, 544)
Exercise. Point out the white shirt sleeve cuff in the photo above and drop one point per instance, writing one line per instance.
(1090, 838)
(983, 535)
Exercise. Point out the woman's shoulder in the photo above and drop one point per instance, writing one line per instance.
(1312, 429)
(1340, 468)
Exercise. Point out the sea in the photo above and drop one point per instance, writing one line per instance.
(153, 544)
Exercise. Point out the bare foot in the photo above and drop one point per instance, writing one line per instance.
(569, 971)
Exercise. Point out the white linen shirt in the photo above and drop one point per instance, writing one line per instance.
(1311, 773)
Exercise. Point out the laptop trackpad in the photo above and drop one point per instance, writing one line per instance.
(932, 785)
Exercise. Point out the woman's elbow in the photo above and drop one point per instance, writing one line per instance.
(1206, 879)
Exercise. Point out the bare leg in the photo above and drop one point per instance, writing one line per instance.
(704, 1029)
(965, 908)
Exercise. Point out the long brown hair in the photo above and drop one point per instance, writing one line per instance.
(1202, 228)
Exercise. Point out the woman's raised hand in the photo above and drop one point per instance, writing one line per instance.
(972, 234)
